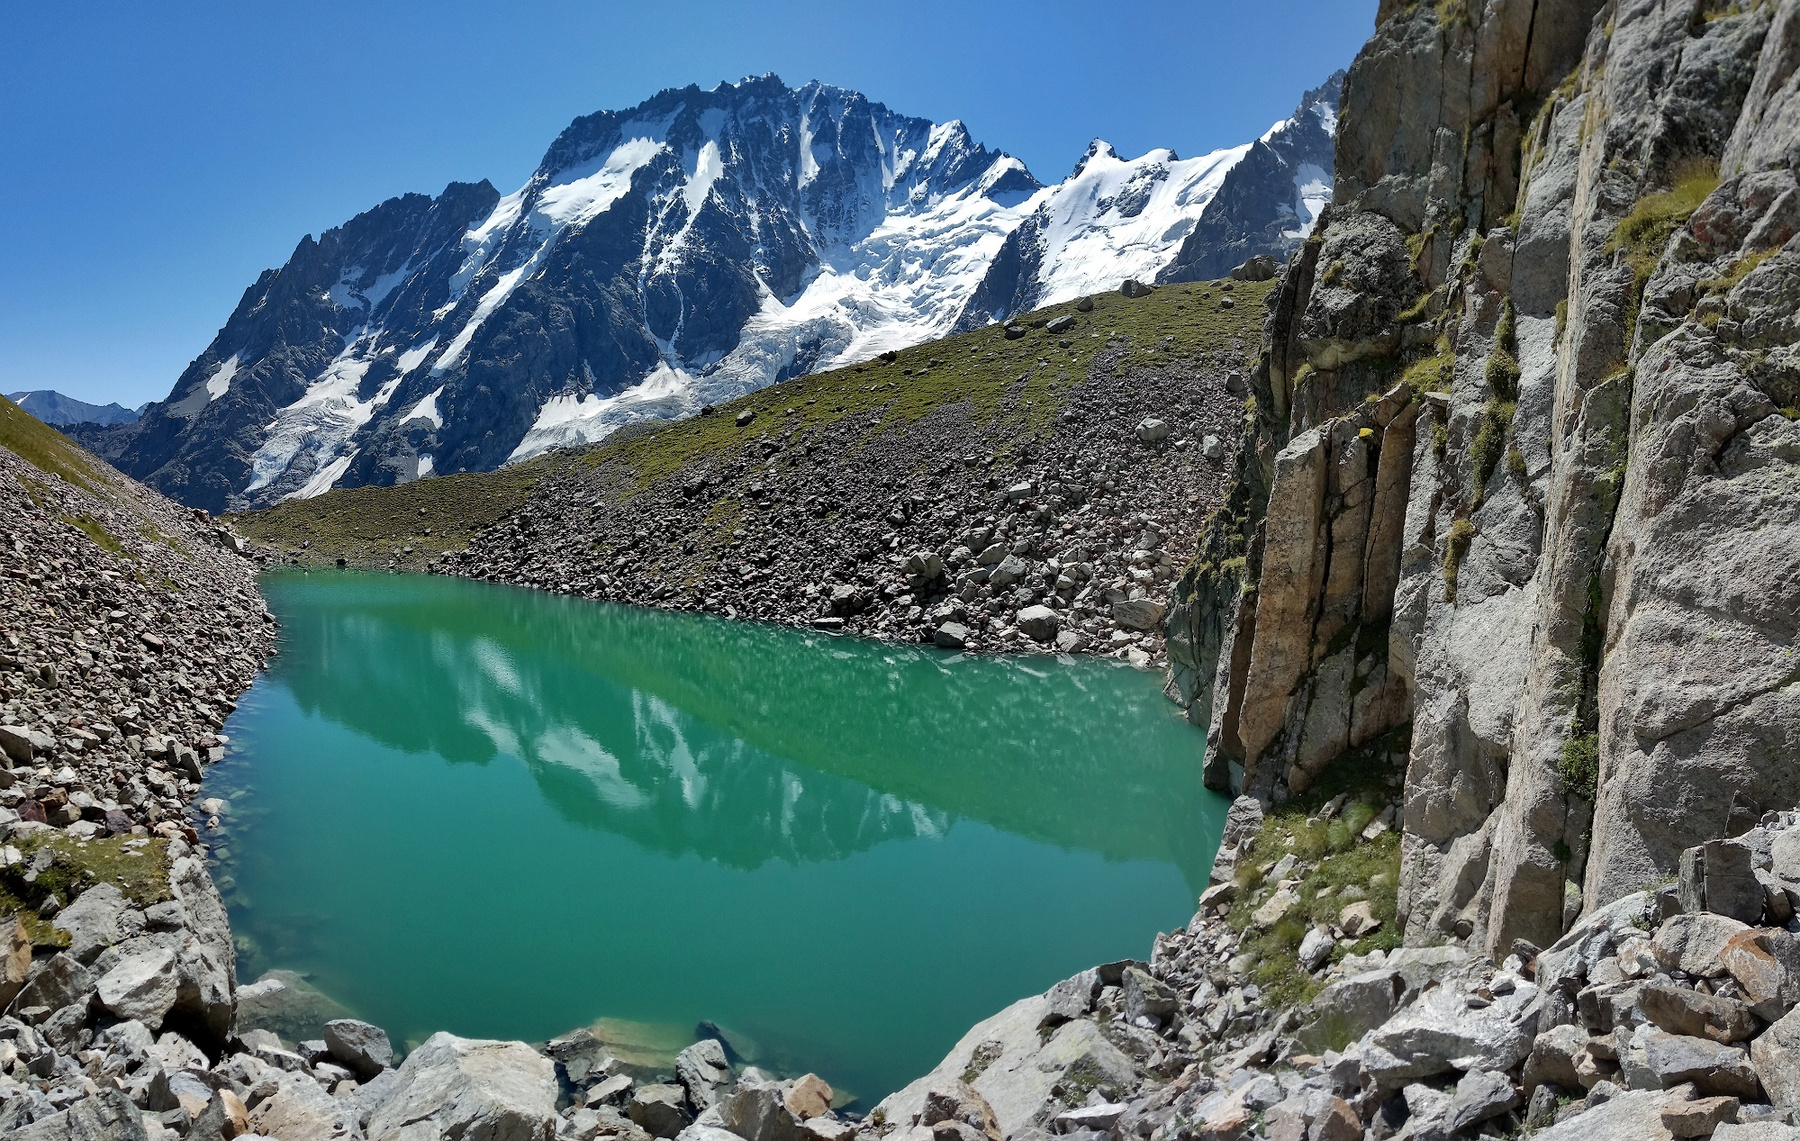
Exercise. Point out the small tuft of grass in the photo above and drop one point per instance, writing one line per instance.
(1489, 443)
(1579, 766)
(102, 538)
(1462, 533)
(1433, 373)
(1719, 286)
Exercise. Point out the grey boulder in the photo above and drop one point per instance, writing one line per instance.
(358, 1046)
(141, 987)
(454, 1087)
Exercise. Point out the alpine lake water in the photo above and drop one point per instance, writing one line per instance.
(460, 806)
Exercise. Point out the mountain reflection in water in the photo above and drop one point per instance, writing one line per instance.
(875, 845)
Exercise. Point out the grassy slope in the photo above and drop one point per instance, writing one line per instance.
(371, 526)
(48, 450)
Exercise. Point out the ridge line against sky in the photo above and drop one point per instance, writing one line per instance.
(159, 160)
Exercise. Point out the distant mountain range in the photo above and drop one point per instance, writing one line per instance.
(54, 408)
(693, 248)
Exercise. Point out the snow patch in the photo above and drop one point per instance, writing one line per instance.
(321, 480)
(412, 358)
(569, 420)
(590, 190)
(426, 409)
(219, 383)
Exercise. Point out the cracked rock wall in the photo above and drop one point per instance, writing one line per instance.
(1520, 495)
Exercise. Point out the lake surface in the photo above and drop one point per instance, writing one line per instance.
(462, 806)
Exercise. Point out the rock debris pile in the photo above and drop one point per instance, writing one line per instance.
(1059, 531)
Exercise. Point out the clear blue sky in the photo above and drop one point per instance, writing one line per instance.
(154, 158)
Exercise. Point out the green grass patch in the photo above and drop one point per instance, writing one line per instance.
(1643, 233)
(1434, 373)
(1489, 443)
(368, 526)
(76, 865)
(1336, 858)
(1718, 286)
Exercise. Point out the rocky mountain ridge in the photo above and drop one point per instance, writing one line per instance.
(54, 408)
(684, 252)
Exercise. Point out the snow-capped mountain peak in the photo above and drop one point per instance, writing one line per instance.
(698, 246)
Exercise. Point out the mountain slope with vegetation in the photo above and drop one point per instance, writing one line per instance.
(957, 484)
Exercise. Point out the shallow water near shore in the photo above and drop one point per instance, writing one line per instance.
(502, 813)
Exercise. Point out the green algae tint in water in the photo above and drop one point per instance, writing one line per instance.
(506, 814)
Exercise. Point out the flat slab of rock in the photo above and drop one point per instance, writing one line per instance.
(141, 987)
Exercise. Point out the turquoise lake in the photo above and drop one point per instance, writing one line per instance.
(468, 807)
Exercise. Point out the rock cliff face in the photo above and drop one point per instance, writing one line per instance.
(1525, 457)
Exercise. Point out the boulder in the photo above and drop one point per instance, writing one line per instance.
(1039, 623)
(1010, 571)
(1553, 1058)
(1349, 1008)
(1014, 1066)
(15, 958)
(1071, 998)
(661, 1110)
(1700, 1117)
(1720, 876)
(1060, 324)
(1766, 964)
(704, 1070)
(1441, 1032)
(359, 1047)
(461, 1087)
(1480, 1095)
(1139, 614)
(207, 957)
(1212, 447)
(1358, 919)
(1680, 1010)
(1775, 1054)
(1150, 430)
(951, 636)
(94, 921)
(807, 1097)
(107, 1115)
(300, 1109)
(1147, 996)
(1134, 288)
(1712, 1067)
(1693, 943)
(754, 1112)
(1262, 267)
(60, 982)
(959, 1102)
(1636, 1116)
(745, 417)
(141, 986)
(1757, 1131)
(1315, 948)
